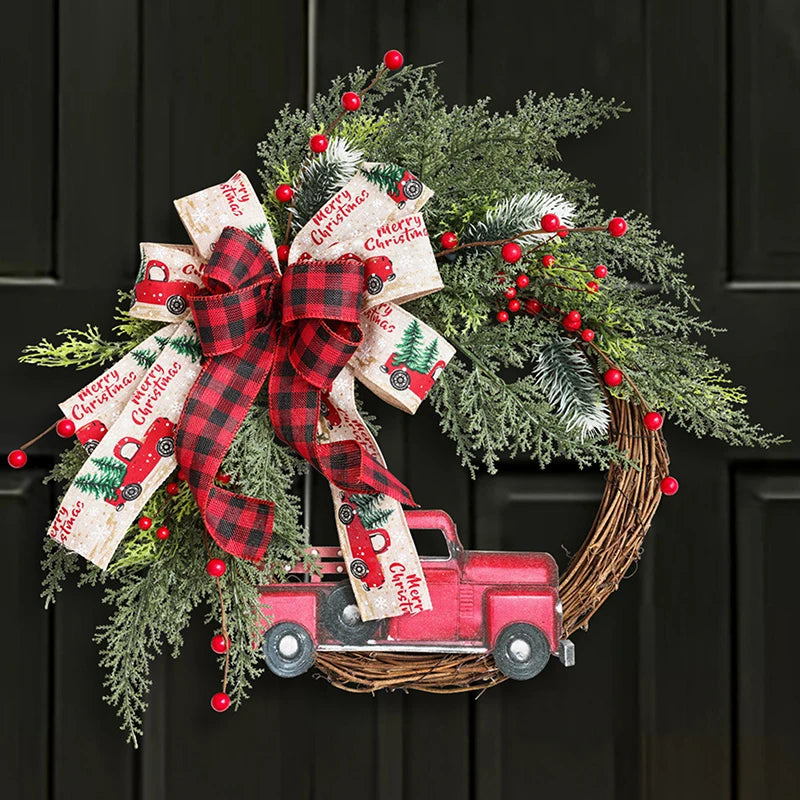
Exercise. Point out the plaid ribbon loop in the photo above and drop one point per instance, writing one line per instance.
(296, 333)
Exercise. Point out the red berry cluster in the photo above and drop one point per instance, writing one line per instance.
(351, 101)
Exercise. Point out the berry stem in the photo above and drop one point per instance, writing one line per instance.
(589, 229)
(36, 438)
(223, 620)
(331, 126)
(625, 375)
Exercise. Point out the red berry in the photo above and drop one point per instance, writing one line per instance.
(510, 293)
(523, 280)
(612, 377)
(17, 459)
(163, 533)
(283, 253)
(548, 261)
(570, 324)
(514, 306)
(533, 306)
(617, 226)
(502, 316)
(574, 316)
(223, 477)
(550, 223)
(393, 59)
(284, 192)
(181, 475)
(173, 489)
(351, 101)
(220, 702)
(65, 428)
(653, 420)
(219, 644)
(216, 568)
(600, 271)
(563, 232)
(449, 240)
(587, 335)
(501, 277)
(318, 143)
(511, 252)
(145, 523)
(592, 286)
(669, 486)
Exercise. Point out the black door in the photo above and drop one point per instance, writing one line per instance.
(685, 685)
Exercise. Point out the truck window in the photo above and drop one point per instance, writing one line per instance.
(430, 544)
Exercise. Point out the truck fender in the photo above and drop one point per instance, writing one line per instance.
(535, 605)
(290, 602)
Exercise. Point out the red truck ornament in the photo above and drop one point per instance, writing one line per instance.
(502, 603)
(141, 457)
(158, 290)
(402, 377)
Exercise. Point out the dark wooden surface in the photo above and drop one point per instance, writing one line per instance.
(686, 684)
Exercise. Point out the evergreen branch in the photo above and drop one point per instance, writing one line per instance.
(80, 349)
(322, 177)
(572, 390)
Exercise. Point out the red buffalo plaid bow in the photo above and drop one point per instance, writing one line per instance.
(296, 331)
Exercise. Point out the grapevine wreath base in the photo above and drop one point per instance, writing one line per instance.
(629, 503)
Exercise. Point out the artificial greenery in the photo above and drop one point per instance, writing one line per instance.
(526, 387)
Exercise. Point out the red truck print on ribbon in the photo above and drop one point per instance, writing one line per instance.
(396, 181)
(158, 290)
(502, 603)
(401, 377)
(329, 412)
(366, 542)
(90, 434)
(409, 187)
(378, 270)
(141, 457)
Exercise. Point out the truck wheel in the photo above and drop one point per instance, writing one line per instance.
(90, 445)
(341, 618)
(324, 408)
(165, 447)
(288, 650)
(176, 304)
(359, 568)
(521, 651)
(400, 380)
(374, 284)
(131, 491)
(412, 188)
(346, 514)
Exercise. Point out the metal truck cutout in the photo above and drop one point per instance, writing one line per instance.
(378, 270)
(402, 377)
(141, 457)
(158, 290)
(409, 187)
(90, 434)
(329, 411)
(365, 546)
(501, 603)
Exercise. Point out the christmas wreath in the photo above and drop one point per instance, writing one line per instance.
(535, 323)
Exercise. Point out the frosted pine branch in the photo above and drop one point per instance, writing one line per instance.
(522, 213)
(323, 177)
(571, 388)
